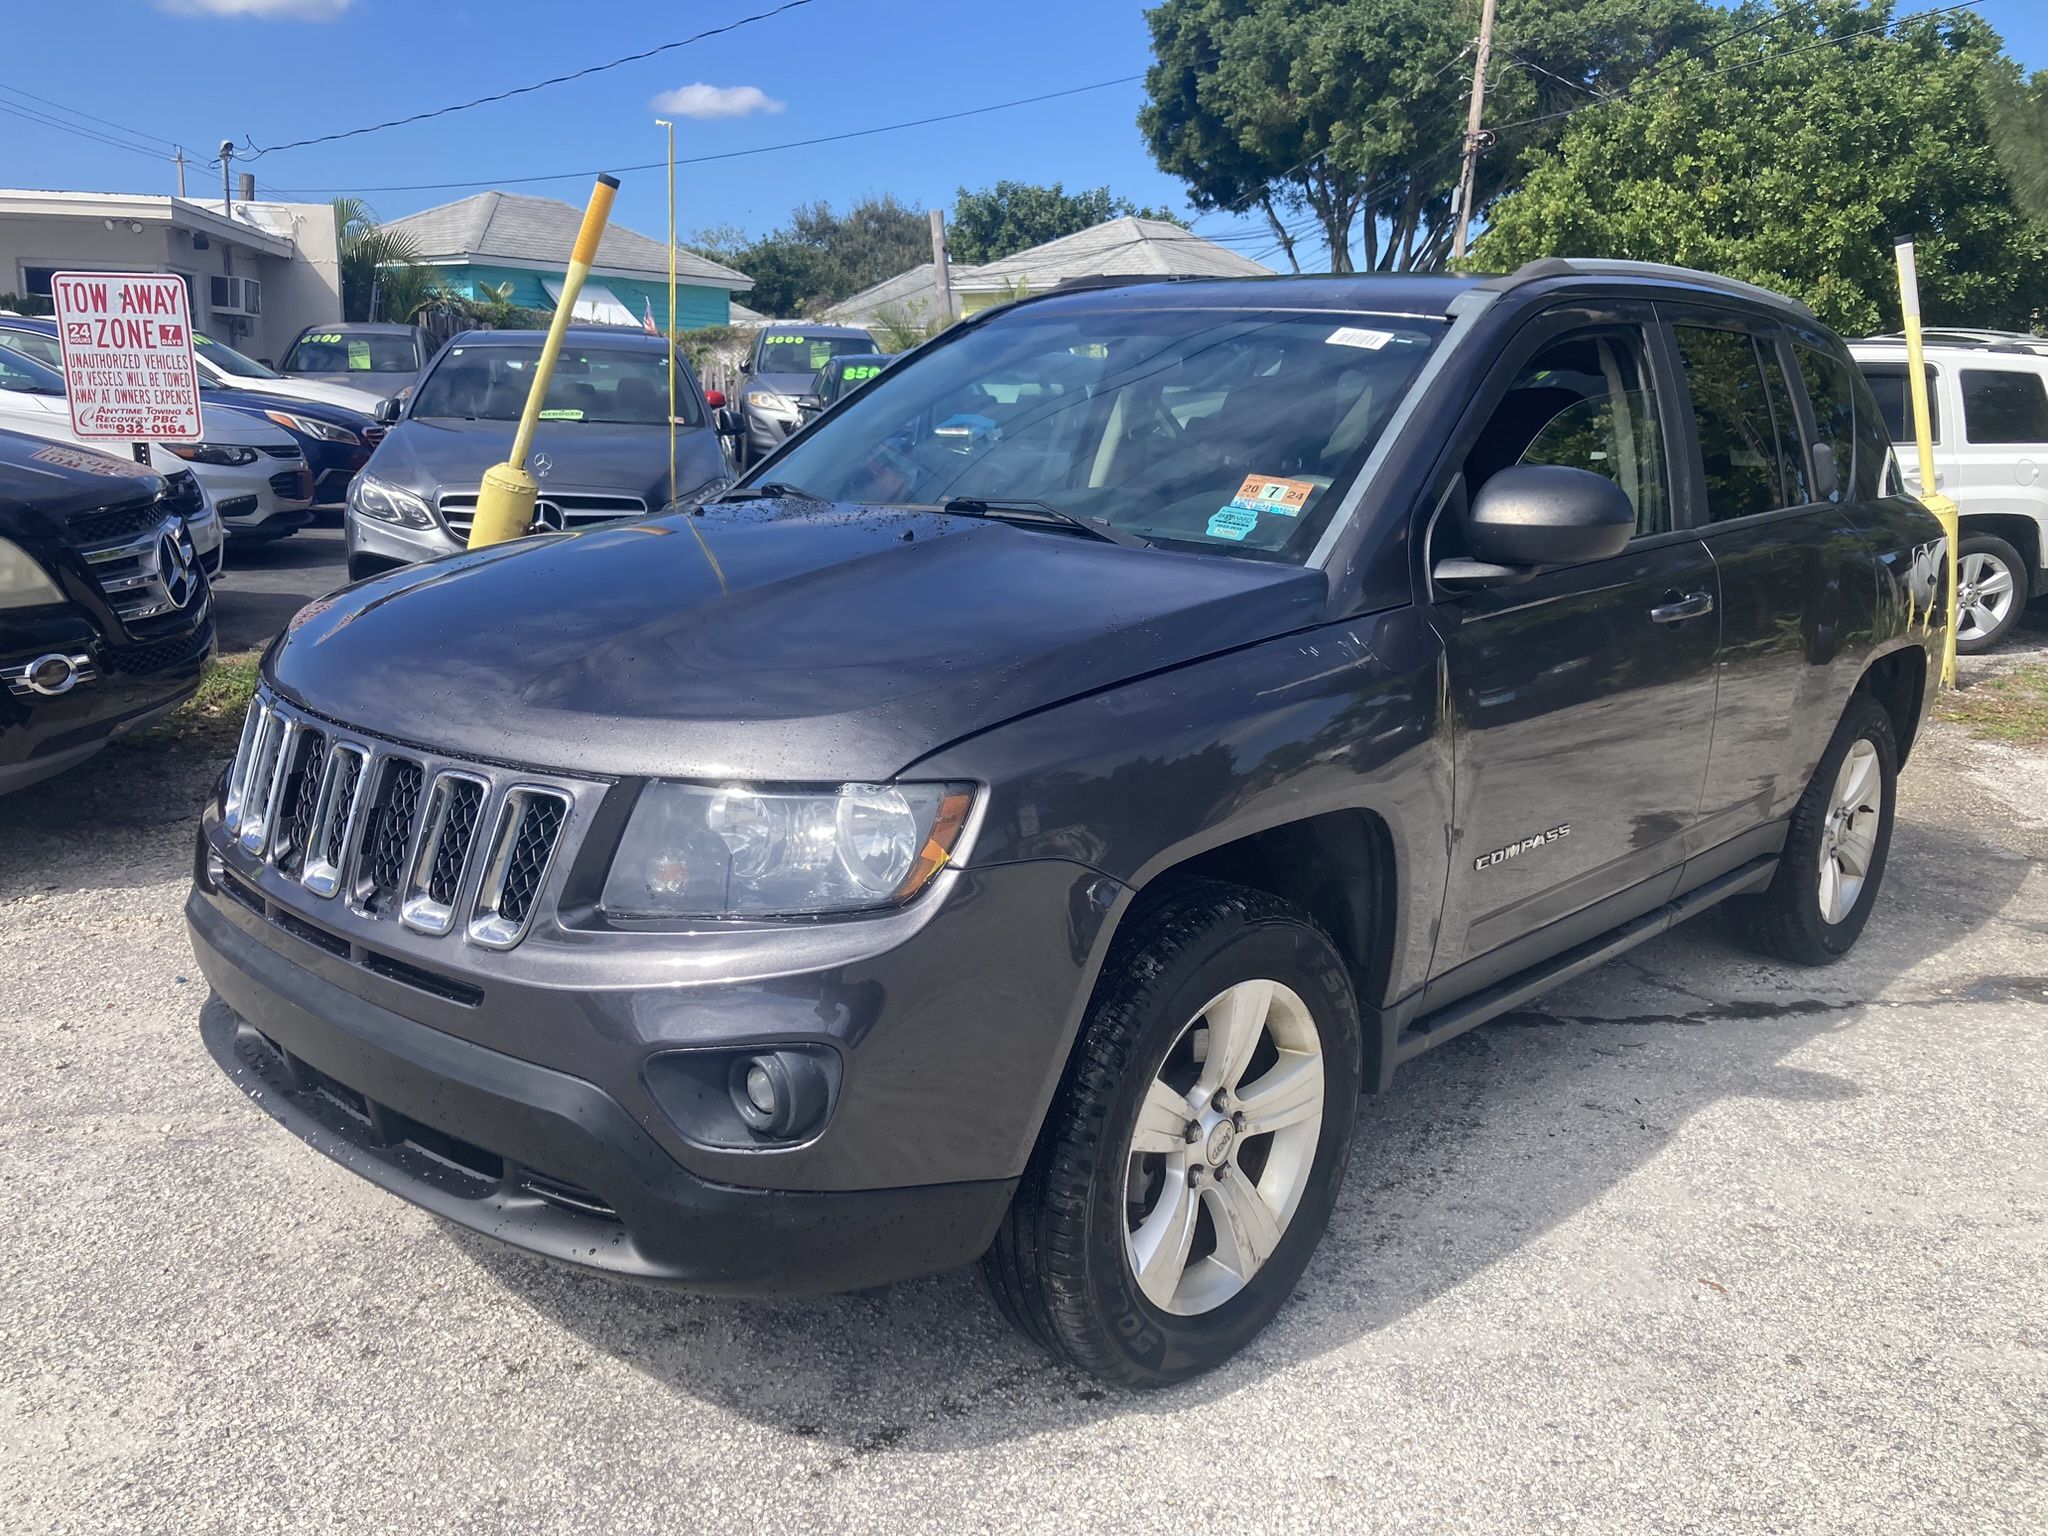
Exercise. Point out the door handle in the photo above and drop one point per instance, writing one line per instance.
(1694, 605)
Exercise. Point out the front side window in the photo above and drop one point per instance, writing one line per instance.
(1584, 401)
(1224, 430)
(1831, 390)
(2004, 407)
(1887, 383)
(228, 360)
(615, 385)
(792, 352)
(1740, 449)
(23, 375)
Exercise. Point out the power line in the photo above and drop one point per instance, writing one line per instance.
(15, 90)
(27, 114)
(737, 154)
(256, 152)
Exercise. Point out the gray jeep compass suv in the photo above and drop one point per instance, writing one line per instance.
(1017, 820)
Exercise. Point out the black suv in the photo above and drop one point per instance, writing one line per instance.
(1018, 821)
(106, 619)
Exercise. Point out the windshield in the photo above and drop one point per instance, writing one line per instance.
(1226, 430)
(228, 360)
(626, 386)
(33, 345)
(23, 375)
(843, 378)
(353, 352)
(792, 352)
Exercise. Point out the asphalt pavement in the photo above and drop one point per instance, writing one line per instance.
(265, 584)
(1696, 1244)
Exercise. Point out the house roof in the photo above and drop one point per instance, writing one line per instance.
(909, 293)
(244, 228)
(513, 228)
(1126, 247)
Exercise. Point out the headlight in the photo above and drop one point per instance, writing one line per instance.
(768, 400)
(213, 453)
(306, 426)
(24, 583)
(387, 503)
(695, 850)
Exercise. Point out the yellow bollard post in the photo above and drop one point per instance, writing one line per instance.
(662, 122)
(504, 506)
(1923, 439)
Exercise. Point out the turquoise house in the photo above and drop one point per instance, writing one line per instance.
(500, 238)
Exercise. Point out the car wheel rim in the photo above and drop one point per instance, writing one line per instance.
(1848, 840)
(1985, 592)
(1223, 1148)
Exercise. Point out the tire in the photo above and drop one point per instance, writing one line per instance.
(1991, 592)
(1790, 920)
(1063, 1266)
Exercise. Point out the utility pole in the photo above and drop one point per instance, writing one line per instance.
(181, 170)
(942, 273)
(1470, 173)
(227, 153)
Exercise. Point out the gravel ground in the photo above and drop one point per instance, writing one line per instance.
(1699, 1244)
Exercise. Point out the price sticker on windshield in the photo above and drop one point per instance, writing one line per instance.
(127, 344)
(1283, 498)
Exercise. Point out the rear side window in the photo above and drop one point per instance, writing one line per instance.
(1831, 389)
(1745, 458)
(1887, 383)
(2001, 407)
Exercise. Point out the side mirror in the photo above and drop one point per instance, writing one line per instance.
(727, 423)
(715, 398)
(386, 413)
(1827, 479)
(808, 406)
(1533, 515)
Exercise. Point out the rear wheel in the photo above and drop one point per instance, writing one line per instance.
(1834, 855)
(1991, 589)
(1190, 1163)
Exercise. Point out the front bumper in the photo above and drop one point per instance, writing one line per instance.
(394, 544)
(768, 430)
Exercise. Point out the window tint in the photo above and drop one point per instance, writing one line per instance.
(1791, 452)
(1586, 402)
(1738, 434)
(1887, 383)
(2000, 407)
(1831, 389)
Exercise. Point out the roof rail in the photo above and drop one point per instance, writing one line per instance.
(1589, 266)
(1965, 341)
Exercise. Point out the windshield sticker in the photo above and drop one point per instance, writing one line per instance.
(1356, 336)
(863, 371)
(1283, 498)
(325, 338)
(359, 357)
(561, 413)
(1233, 523)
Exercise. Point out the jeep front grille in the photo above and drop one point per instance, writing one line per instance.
(394, 834)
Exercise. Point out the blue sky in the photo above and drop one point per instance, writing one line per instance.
(278, 70)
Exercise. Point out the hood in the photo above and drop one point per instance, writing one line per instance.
(430, 455)
(299, 387)
(781, 383)
(350, 412)
(50, 480)
(359, 395)
(221, 424)
(847, 642)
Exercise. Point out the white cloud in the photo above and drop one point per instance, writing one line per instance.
(716, 101)
(259, 10)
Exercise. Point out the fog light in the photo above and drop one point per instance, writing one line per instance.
(782, 1094)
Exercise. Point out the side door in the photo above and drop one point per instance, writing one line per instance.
(1791, 558)
(1581, 699)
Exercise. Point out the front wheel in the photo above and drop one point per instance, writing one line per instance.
(1190, 1163)
(1991, 588)
(1834, 854)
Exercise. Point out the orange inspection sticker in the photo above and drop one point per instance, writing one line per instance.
(1283, 498)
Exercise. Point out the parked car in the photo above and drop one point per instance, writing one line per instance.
(1988, 404)
(780, 369)
(106, 618)
(600, 452)
(839, 377)
(253, 472)
(335, 440)
(1023, 842)
(376, 359)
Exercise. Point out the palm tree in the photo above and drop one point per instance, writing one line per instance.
(374, 257)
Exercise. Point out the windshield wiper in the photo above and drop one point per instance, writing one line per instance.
(1028, 510)
(767, 490)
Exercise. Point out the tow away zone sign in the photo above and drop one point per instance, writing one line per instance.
(127, 340)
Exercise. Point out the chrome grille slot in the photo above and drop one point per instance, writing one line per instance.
(522, 847)
(388, 838)
(253, 727)
(147, 575)
(571, 509)
(298, 798)
(448, 833)
(334, 819)
(266, 782)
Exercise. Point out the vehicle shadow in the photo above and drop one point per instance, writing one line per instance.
(1483, 1146)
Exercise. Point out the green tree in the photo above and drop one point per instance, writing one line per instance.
(1795, 162)
(1013, 216)
(1345, 119)
(2016, 110)
(375, 256)
(820, 256)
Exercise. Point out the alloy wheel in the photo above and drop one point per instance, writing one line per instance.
(1848, 839)
(1985, 593)
(1223, 1148)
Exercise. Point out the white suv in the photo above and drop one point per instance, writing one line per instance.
(1989, 402)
